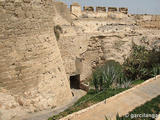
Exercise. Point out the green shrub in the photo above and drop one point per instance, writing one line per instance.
(140, 65)
(96, 76)
(156, 70)
(109, 75)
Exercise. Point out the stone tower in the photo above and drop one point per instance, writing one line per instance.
(31, 67)
(75, 9)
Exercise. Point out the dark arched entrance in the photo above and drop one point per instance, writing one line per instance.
(75, 81)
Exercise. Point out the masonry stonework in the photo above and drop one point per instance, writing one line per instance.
(148, 21)
(88, 8)
(75, 9)
(31, 67)
(35, 67)
(100, 9)
(99, 12)
(112, 9)
(123, 10)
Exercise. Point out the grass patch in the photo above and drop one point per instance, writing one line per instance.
(136, 82)
(91, 98)
(152, 107)
(113, 78)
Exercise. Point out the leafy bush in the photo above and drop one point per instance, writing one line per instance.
(156, 70)
(142, 63)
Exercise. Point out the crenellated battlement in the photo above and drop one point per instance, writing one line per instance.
(112, 9)
(123, 10)
(77, 10)
(114, 13)
(88, 8)
(99, 11)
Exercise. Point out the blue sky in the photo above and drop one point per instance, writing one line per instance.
(135, 6)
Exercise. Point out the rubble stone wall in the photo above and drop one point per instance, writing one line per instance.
(100, 9)
(88, 8)
(148, 21)
(31, 67)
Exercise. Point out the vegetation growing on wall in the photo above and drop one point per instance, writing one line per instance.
(113, 78)
(57, 31)
(142, 64)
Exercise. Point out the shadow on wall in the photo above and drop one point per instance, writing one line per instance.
(75, 77)
(63, 10)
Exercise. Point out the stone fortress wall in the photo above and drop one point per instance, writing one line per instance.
(35, 67)
(148, 21)
(79, 41)
(96, 36)
(90, 11)
(32, 74)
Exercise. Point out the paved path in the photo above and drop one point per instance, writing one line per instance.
(121, 103)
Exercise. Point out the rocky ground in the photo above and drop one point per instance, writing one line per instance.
(44, 115)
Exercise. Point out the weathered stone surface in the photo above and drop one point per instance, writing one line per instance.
(100, 9)
(123, 10)
(148, 21)
(88, 8)
(34, 70)
(112, 9)
(75, 9)
(95, 40)
(31, 67)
